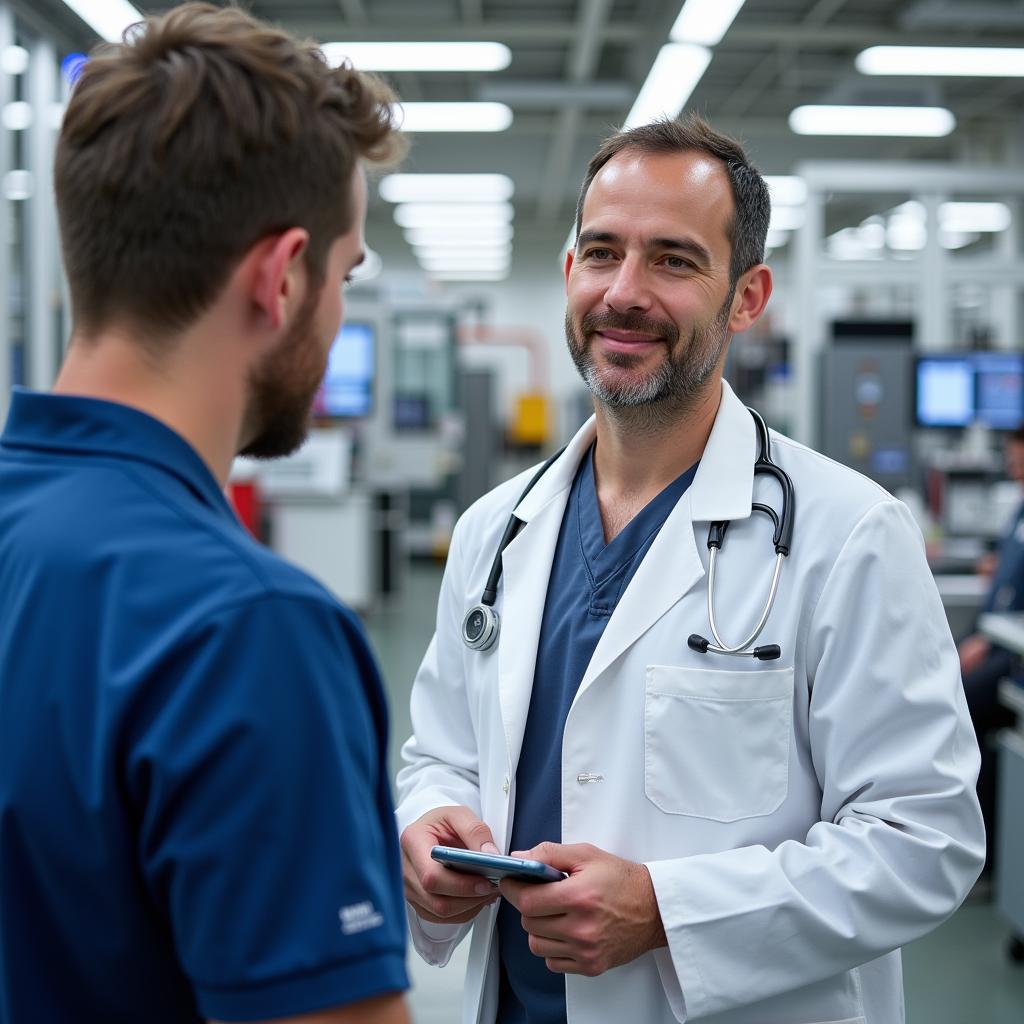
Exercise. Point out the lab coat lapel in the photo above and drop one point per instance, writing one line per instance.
(526, 570)
(721, 489)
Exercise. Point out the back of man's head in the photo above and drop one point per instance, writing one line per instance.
(204, 131)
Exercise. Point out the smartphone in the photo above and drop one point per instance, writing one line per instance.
(494, 866)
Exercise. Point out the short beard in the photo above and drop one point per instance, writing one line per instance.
(672, 389)
(282, 388)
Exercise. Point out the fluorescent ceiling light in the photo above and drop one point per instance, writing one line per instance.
(18, 185)
(786, 189)
(467, 56)
(453, 117)
(17, 116)
(465, 188)
(965, 218)
(942, 61)
(463, 251)
(459, 234)
(674, 75)
(704, 21)
(494, 261)
(787, 218)
(420, 215)
(931, 122)
(14, 60)
(776, 238)
(107, 18)
(470, 275)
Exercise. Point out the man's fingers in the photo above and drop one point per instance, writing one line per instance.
(450, 911)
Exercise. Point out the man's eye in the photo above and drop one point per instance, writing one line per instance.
(677, 263)
(600, 254)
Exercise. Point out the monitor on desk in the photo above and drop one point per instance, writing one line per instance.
(956, 390)
(347, 388)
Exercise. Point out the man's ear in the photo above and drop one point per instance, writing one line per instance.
(570, 256)
(279, 275)
(753, 290)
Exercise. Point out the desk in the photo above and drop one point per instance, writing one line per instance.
(1007, 630)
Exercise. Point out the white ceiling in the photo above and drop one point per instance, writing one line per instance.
(578, 64)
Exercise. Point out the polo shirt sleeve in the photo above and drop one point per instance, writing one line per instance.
(264, 817)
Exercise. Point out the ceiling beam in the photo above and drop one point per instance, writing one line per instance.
(838, 36)
(583, 58)
(355, 13)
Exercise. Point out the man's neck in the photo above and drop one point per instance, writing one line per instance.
(192, 401)
(637, 456)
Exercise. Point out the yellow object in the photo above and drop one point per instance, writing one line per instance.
(531, 421)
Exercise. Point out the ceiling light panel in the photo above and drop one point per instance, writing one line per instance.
(453, 117)
(704, 21)
(907, 122)
(466, 188)
(786, 189)
(107, 18)
(463, 56)
(674, 75)
(470, 275)
(459, 234)
(942, 61)
(422, 215)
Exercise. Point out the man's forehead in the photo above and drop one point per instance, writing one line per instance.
(691, 184)
(688, 169)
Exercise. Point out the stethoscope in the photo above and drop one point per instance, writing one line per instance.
(481, 625)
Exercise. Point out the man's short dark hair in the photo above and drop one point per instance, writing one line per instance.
(202, 132)
(752, 205)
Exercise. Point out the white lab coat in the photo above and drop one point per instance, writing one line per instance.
(801, 819)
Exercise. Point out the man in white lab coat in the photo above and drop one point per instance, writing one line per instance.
(746, 841)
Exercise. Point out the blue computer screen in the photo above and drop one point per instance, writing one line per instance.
(347, 388)
(971, 387)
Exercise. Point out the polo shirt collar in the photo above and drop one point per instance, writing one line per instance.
(94, 426)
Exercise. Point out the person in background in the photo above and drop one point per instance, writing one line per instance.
(984, 664)
(195, 819)
(746, 840)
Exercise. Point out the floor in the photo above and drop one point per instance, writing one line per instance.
(960, 974)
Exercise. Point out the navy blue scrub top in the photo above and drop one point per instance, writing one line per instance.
(587, 579)
(195, 819)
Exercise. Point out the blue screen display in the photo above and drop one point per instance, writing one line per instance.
(347, 388)
(971, 387)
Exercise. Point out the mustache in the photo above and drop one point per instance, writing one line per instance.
(637, 322)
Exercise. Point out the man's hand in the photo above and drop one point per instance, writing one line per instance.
(435, 892)
(603, 915)
(973, 651)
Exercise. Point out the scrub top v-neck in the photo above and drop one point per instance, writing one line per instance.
(588, 577)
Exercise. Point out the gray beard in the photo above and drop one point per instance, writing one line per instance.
(655, 401)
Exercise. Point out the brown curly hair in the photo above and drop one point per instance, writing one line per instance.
(201, 132)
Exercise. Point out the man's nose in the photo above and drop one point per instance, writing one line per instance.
(629, 289)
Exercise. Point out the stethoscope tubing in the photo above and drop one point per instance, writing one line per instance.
(481, 625)
(723, 647)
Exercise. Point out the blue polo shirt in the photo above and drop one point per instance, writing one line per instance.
(587, 579)
(195, 819)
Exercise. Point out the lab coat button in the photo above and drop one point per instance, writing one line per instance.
(504, 786)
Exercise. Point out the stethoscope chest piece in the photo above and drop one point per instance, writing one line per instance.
(480, 628)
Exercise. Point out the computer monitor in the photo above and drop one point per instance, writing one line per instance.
(347, 388)
(954, 390)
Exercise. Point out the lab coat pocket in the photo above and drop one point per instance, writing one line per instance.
(716, 744)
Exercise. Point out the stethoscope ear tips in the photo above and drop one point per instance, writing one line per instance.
(480, 628)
